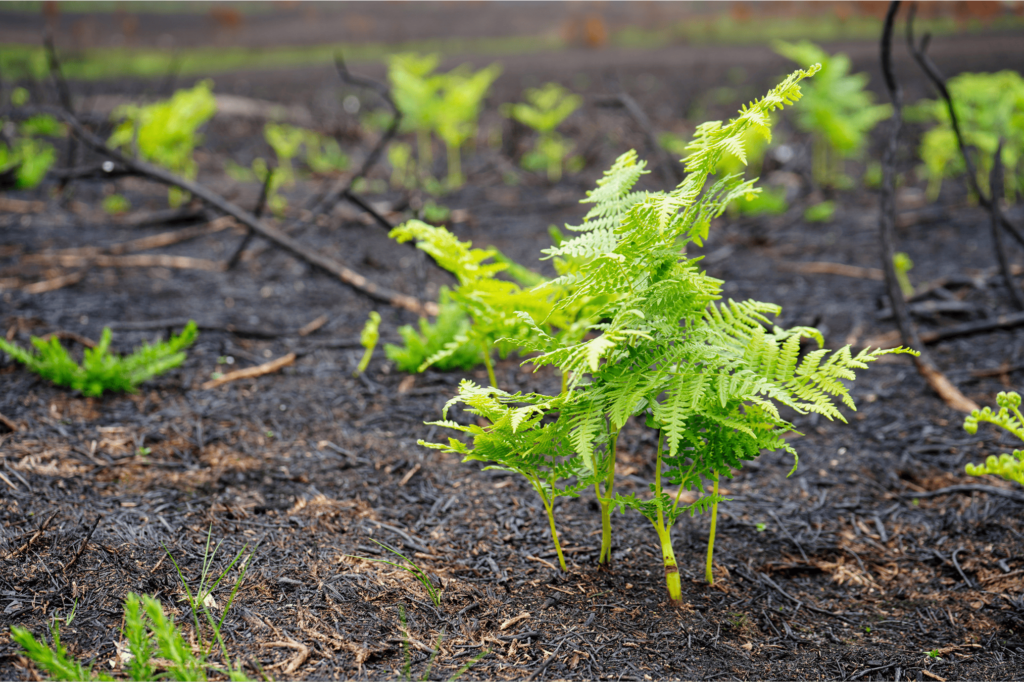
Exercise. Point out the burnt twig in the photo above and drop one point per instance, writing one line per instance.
(289, 244)
(996, 187)
(261, 203)
(81, 547)
(1009, 321)
(887, 221)
(64, 93)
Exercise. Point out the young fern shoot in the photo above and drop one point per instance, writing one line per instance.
(708, 376)
(519, 439)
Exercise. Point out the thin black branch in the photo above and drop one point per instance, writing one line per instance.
(996, 187)
(920, 53)
(261, 203)
(289, 244)
(887, 222)
(64, 93)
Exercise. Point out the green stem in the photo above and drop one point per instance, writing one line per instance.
(549, 507)
(565, 382)
(708, 575)
(489, 365)
(605, 557)
(668, 556)
(454, 167)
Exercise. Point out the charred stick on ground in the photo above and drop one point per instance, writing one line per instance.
(289, 244)
(996, 186)
(887, 221)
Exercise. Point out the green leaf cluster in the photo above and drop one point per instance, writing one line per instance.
(422, 349)
(1008, 465)
(544, 110)
(165, 133)
(102, 370)
(837, 109)
(709, 375)
(989, 107)
(27, 157)
(445, 104)
(368, 340)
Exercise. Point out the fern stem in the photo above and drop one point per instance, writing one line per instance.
(708, 575)
(489, 365)
(668, 556)
(605, 558)
(424, 154)
(549, 507)
(454, 167)
(657, 483)
(565, 381)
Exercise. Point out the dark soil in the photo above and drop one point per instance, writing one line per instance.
(835, 572)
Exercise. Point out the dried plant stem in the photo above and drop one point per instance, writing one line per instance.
(708, 573)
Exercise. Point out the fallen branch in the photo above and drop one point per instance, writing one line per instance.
(251, 372)
(996, 186)
(8, 422)
(311, 256)
(54, 283)
(825, 268)
(144, 243)
(295, 662)
(144, 260)
(21, 206)
(887, 221)
(1008, 321)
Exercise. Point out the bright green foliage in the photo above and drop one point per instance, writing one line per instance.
(165, 132)
(518, 439)
(100, 370)
(31, 157)
(821, 212)
(368, 339)
(447, 104)
(837, 110)
(989, 107)
(462, 96)
(502, 313)
(771, 201)
(902, 263)
(544, 111)
(403, 172)
(452, 326)
(116, 204)
(150, 633)
(1008, 466)
(710, 376)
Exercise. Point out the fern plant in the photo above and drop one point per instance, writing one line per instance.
(100, 369)
(989, 107)
(544, 110)
(1008, 466)
(166, 132)
(521, 440)
(709, 376)
(496, 308)
(446, 104)
(837, 111)
(417, 347)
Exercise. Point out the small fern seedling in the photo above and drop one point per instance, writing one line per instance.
(368, 340)
(544, 110)
(837, 110)
(101, 370)
(709, 376)
(520, 438)
(1009, 466)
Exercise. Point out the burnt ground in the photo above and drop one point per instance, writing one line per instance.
(838, 571)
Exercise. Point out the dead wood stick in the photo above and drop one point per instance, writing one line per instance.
(671, 172)
(8, 205)
(251, 372)
(311, 256)
(65, 335)
(1008, 321)
(887, 221)
(81, 548)
(920, 53)
(292, 664)
(63, 92)
(9, 423)
(142, 260)
(145, 243)
(261, 203)
(990, 489)
(996, 187)
(54, 283)
(826, 268)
